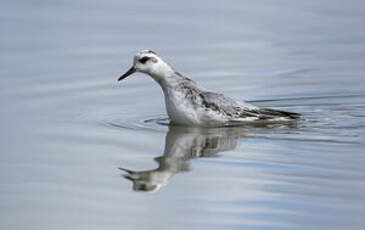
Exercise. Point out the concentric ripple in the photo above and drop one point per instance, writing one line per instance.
(154, 123)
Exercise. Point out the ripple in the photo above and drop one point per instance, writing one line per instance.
(154, 123)
(319, 124)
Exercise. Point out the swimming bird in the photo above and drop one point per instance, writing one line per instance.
(188, 104)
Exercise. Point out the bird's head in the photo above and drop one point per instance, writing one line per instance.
(147, 62)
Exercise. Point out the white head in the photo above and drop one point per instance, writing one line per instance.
(148, 62)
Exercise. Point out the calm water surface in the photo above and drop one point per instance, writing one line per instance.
(80, 151)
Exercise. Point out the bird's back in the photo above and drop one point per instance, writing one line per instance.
(209, 108)
(187, 104)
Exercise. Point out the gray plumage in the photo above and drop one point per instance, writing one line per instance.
(227, 106)
(187, 104)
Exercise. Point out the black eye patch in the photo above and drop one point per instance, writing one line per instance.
(143, 60)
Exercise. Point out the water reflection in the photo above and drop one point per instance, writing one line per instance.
(181, 145)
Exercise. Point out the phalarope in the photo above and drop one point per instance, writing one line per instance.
(187, 104)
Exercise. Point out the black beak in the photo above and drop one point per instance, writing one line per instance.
(129, 72)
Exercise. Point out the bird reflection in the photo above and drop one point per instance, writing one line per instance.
(181, 145)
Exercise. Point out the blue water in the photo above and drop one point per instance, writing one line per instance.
(81, 151)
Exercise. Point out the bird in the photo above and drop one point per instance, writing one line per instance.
(187, 104)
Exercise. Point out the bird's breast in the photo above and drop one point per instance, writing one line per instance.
(180, 109)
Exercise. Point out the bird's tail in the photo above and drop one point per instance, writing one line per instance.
(271, 113)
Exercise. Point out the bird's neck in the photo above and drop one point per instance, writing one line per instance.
(165, 76)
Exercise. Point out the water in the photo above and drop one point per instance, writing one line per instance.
(81, 151)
